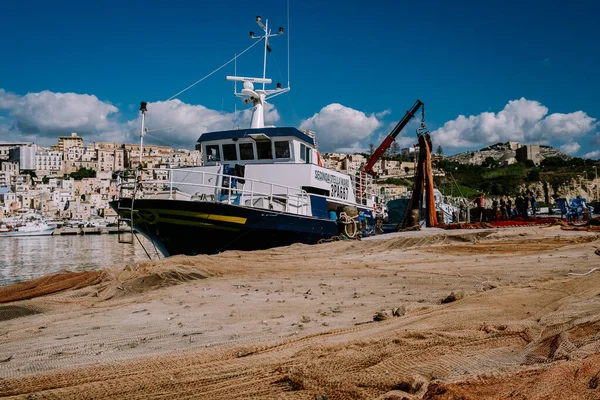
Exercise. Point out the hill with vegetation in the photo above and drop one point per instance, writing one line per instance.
(486, 170)
(554, 177)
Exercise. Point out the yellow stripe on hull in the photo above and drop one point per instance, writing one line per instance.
(214, 217)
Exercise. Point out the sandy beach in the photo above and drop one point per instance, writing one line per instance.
(434, 314)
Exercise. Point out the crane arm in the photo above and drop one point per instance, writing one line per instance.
(387, 142)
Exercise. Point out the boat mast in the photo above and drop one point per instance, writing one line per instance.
(143, 109)
(260, 96)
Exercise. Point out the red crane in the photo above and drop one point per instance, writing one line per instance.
(387, 142)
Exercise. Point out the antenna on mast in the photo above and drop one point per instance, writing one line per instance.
(249, 93)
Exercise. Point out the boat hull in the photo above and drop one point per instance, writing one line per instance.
(190, 227)
(45, 232)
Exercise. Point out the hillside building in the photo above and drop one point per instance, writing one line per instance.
(529, 152)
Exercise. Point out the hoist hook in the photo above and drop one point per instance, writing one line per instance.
(423, 128)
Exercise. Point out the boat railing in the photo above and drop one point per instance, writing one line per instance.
(216, 187)
(364, 187)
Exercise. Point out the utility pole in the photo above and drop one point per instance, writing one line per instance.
(143, 110)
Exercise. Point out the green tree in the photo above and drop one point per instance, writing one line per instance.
(554, 162)
(82, 173)
(489, 162)
(533, 175)
(439, 150)
(371, 149)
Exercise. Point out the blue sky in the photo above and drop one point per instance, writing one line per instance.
(525, 71)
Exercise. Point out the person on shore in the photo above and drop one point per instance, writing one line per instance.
(533, 201)
(519, 205)
(509, 207)
(480, 207)
(503, 210)
(525, 205)
(462, 211)
(495, 209)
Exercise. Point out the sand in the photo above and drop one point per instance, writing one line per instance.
(472, 314)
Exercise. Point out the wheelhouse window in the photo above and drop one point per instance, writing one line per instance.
(282, 149)
(229, 152)
(302, 152)
(212, 153)
(246, 151)
(264, 150)
(307, 157)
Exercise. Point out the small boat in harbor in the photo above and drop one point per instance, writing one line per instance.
(26, 223)
(29, 228)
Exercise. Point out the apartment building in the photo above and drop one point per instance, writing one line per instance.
(66, 142)
(49, 162)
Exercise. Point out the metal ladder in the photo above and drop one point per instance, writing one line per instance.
(126, 235)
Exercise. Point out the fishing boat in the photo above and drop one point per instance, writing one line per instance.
(258, 188)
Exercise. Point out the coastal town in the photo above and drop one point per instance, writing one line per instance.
(73, 181)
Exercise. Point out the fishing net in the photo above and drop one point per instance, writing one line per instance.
(49, 284)
(527, 331)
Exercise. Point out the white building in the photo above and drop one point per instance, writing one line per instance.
(49, 161)
(75, 153)
(25, 155)
(110, 160)
(11, 167)
(353, 162)
(4, 179)
(5, 148)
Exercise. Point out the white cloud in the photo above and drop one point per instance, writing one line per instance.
(383, 113)
(178, 124)
(592, 154)
(522, 120)
(46, 114)
(570, 148)
(42, 117)
(562, 126)
(338, 127)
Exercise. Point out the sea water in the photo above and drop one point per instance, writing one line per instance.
(24, 258)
